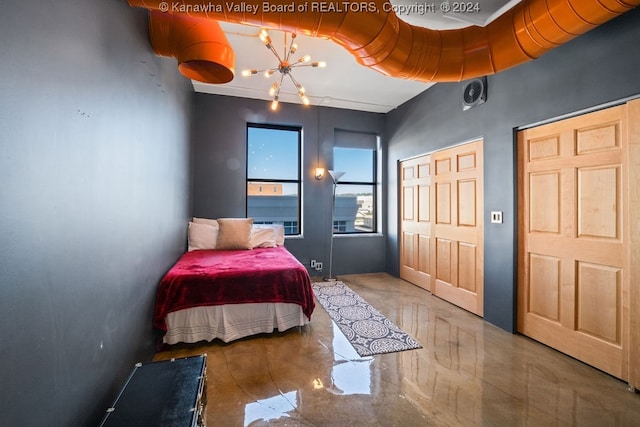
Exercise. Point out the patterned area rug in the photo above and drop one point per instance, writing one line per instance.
(365, 327)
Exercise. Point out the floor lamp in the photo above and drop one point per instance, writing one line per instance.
(335, 176)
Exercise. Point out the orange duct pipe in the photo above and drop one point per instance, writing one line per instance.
(199, 44)
(378, 39)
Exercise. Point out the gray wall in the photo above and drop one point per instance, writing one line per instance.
(94, 197)
(599, 67)
(219, 135)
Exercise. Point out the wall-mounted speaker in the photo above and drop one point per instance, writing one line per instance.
(475, 93)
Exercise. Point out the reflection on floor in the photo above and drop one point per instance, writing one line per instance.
(468, 373)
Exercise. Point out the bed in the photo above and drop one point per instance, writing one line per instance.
(228, 287)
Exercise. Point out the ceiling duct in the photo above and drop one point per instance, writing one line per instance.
(380, 40)
(199, 44)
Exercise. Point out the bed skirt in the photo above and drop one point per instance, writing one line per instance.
(231, 322)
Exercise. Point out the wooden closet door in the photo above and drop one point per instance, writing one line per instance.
(633, 234)
(458, 226)
(573, 286)
(415, 227)
(441, 229)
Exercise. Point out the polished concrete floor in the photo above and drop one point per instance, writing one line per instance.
(468, 373)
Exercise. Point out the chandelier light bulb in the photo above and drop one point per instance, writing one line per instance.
(264, 36)
(305, 58)
(247, 73)
(273, 89)
(319, 64)
(274, 104)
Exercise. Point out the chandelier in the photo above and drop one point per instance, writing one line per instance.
(285, 66)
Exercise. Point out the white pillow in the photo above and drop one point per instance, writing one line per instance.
(234, 233)
(208, 221)
(202, 236)
(263, 237)
(279, 228)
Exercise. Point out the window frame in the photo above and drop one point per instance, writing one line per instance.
(298, 182)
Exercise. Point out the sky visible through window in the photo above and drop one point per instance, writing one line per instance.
(357, 165)
(273, 154)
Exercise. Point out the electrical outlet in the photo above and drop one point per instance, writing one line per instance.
(496, 217)
(318, 266)
(313, 263)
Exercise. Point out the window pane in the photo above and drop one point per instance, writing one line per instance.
(355, 209)
(356, 162)
(274, 203)
(272, 153)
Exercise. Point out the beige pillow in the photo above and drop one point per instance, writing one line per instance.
(263, 237)
(202, 236)
(234, 233)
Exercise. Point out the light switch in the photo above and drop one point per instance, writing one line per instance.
(496, 217)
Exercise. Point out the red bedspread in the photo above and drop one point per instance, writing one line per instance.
(210, 277)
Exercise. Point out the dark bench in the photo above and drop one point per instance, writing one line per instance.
(169, 393)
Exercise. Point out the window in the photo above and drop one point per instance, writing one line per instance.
(356, 193)
(273, 176)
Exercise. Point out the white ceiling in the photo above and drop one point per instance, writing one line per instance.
(343, 83)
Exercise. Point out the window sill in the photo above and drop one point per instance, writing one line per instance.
(339, 236)
(351, 235)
